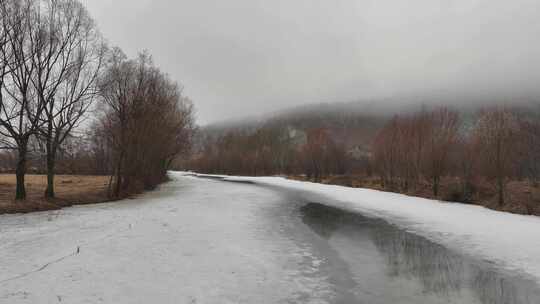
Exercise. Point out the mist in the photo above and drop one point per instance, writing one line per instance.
(246, 57)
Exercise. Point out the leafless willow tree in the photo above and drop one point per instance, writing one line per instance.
(442, 130)
(497, 133)
(116, 91)
(416, 146)
(530, 149)
(147, 120)
(466, 160)
(386, 154)
(68, 62)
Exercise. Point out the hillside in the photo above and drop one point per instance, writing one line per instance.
(353, 123)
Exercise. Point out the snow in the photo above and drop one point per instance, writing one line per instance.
(511, 241)
(193, 241)
(207, 241)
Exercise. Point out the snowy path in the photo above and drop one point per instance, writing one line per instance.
(192, 242)
(208, 241)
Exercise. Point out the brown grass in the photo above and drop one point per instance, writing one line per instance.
(70, 190)
(521, 197)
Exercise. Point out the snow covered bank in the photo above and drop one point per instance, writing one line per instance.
(193, 241)
(509, 240)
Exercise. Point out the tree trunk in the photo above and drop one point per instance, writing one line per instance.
(51, 151)
(121, 155)
(435, 186)
(118, 184)
(119, 181)
(500, 172)
(49, 192)
(20, 172)
(500, 186)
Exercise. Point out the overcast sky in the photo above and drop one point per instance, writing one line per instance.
(243, 57)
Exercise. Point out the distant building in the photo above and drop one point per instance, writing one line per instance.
(359, 152)
(297, 137)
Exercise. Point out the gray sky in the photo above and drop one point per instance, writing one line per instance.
(244, 57)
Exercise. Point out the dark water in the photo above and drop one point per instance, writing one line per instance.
(367, 260)
(385, 264)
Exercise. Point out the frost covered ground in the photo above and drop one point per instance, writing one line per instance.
(270, 241)
(193, 241)
(511, 241)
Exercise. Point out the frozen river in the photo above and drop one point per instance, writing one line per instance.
(209, 241)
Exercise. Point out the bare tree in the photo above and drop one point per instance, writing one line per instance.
(496, 132)
(6, 54)
(314, 153)
(419, 136)
(100, 151)
(20, 107)
(147, 119)
(442, 136)
(399, 150)
(530, 149)
(67, 69)
(467, 159)
(386, 153)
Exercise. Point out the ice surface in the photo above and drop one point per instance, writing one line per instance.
(193, 241)
(206, 241)
(509, 240)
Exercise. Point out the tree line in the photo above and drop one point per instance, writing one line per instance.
(271, 150)
(436, 147)
(500, 145)
(64, 91)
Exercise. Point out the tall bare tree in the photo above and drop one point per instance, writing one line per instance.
(20, 108)
(497, 133)
(148, 121)
(467, 159)
(67, 68)
(442, 132)
(116, 91)
(530, 148)
(6, 52)
(386, 153)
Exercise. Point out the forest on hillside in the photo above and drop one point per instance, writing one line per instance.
(487, 155)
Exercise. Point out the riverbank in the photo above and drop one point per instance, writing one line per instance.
(508, 240)
(521, 196)
(70, 190)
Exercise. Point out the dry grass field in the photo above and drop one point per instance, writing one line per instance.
(70, 190)
(521, 197)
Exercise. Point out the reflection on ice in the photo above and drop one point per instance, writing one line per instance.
(442, 273)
